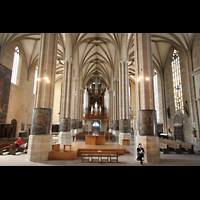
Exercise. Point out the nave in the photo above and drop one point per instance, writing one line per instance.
(121, 83)
(172, 159)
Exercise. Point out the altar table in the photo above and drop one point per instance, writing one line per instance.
(94, 139)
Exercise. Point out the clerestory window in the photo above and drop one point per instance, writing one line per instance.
(35, 80)
(177, 83)
(15, 66)
(156, 99)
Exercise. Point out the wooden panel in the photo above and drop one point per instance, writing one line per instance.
(126, 141)
(100, 139)
(58, 155)
(55, 147)
(90, 139)
(94, 139)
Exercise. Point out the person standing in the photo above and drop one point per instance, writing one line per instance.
(140, 153)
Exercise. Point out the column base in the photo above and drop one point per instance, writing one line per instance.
(151, 147)
(39, 147)
(124, 136)
(64, 138)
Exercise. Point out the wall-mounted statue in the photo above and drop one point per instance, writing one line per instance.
(194, 132)
(186, 108)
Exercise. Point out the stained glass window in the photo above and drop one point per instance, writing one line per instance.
(15, 66)
(177, 83)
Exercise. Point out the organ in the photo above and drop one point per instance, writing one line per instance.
(96, 102)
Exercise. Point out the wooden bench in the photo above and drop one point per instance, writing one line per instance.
(164, 147)
(178, 146)
(108, 157)
(188, 147)
(173, 145)
(90, 157)
(14, 148)
(98, 152)
(3, 149)
(113, 156)
(100, 157)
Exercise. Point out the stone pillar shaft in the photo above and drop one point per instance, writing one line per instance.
(116, 108)
(146, 109)
(123, 90)
(111, 108)
(124, 117)
(69, 88)
(145, 69)
(115, 100)
(40, 140)
(65, 119)
(47, 68)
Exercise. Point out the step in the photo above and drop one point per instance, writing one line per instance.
(126, 151)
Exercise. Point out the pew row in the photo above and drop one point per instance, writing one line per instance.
(177, 146)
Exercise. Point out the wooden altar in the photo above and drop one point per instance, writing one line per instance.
(94, 139)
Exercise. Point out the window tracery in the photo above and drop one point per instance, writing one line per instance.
(177, 83)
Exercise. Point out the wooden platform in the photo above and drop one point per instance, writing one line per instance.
(60, 155)
(79, 148)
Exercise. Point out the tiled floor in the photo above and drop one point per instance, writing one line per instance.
(171, 159)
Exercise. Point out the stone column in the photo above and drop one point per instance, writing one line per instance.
(81, 93)
(75, 106)
(111, 110)
(165, 129)
(147, 121)
(78, 103)
(40, 140)
(116, 97)
(80, 111)
(75, 94)
(124, 117)
(116, 108)
(65, 117)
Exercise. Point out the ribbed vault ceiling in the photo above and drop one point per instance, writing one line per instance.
(97, 51)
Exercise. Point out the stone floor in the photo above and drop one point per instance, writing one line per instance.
(171, 159)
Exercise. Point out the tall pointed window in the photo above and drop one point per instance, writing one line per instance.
(177, 83)
(15, 66)
(96, 124)
(156, 99)
(35, 80)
